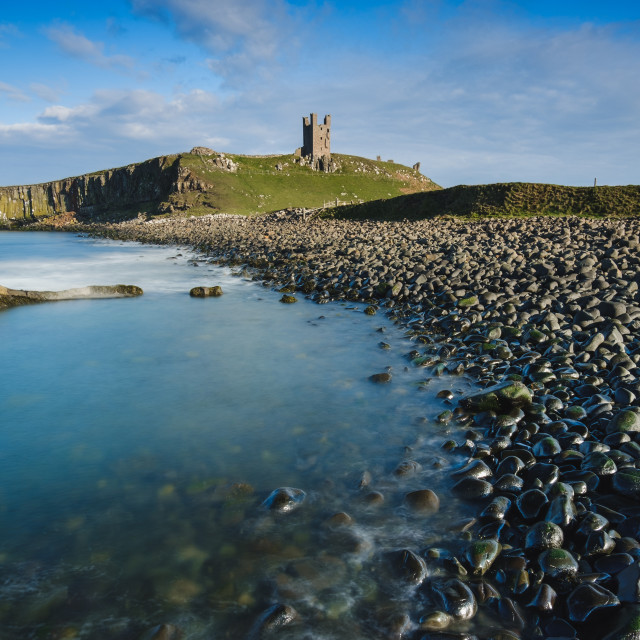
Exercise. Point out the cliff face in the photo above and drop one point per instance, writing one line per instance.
(148, 182)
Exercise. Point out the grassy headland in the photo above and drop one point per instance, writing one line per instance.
(207, 182)
(257, 186)
(513, 199)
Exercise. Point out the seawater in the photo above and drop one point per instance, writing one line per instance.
(138, 438)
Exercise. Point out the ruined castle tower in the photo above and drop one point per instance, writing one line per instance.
(316, 138)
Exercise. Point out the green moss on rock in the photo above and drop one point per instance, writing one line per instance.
(206, 292)
(499, 398)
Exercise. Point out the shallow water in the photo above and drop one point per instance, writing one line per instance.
(138, 438)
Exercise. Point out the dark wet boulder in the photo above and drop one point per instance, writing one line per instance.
(613, 563)
(591, 522)
(284, 499)
(380, 378)
(510, 464)
(497, 509)
(206, 292)
(547, 474)
(542, 536)
(509, 483)
(499, 398)
(599, 463)
(587, 598)
(627, 482)
(472, 489)
(547, 447)
(544, 598)
(562, 511)
(454, 597)
(481, 554)
(288, 299)
(473, 469)
(531, 502)
(599, 543)
(625, 421)
(557, 562)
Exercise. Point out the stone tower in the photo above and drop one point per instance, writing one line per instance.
(316, 138)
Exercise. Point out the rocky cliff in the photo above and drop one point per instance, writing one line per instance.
(89, 195)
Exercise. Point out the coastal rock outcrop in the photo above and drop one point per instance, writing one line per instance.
(18, 297)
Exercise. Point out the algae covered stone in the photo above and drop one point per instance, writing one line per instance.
(206, 292)
(288, 299)
(481, 554)
(556, 562)
(499, 398)
(624, 421)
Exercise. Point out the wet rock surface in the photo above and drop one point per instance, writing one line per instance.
(542, 315)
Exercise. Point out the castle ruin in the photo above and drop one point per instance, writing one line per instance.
(316, 142)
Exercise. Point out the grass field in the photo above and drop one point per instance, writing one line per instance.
(258, 187)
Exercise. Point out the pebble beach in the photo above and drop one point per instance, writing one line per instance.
(542, 315)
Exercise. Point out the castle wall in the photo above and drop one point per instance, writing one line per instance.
(316, 138)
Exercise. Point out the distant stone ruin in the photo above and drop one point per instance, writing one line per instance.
(316, 144)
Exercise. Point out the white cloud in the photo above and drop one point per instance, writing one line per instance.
(79, 46)
(243, 36)
(45, 92)
(7, 30)
(13, 93)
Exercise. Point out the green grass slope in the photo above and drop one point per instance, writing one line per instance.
(257, 186)
(502, 199)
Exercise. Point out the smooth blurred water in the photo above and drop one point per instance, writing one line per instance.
(139, 436)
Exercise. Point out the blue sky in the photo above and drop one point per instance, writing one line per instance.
(477, 91)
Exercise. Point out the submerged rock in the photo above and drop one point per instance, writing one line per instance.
(405, 565)
(162, 632)
(275, 617)
(284, 500)
(423, 501)
(380, 378)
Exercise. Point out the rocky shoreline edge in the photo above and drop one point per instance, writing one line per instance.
(542, 312)
(18, 297)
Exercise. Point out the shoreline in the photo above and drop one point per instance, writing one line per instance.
(552, 303)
